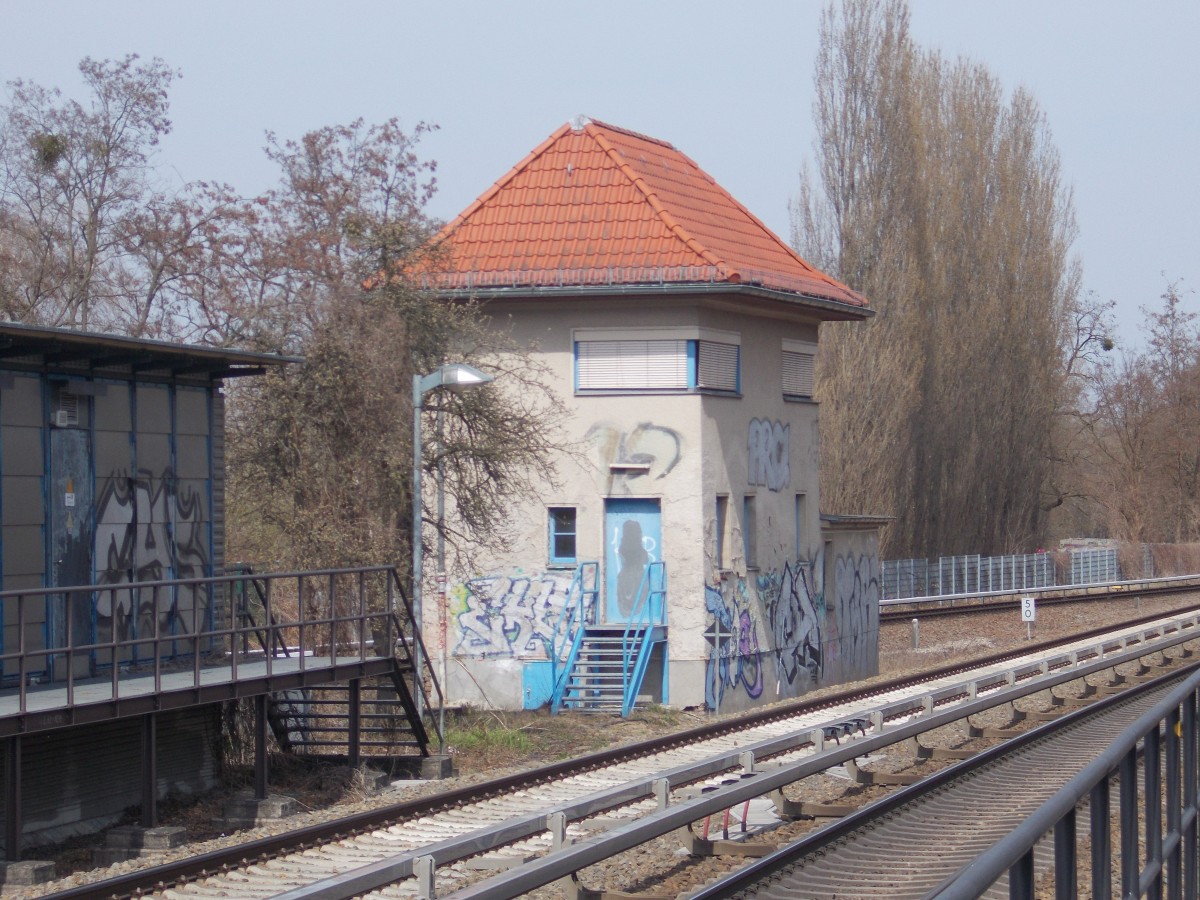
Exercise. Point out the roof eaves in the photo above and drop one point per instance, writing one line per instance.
(67, 349)
(487, 292)
(836, 522)
(816, 273)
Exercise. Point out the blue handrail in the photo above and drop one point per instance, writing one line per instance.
(650, 609)
(579, 610)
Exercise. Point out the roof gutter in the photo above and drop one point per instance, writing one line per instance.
(841, 311)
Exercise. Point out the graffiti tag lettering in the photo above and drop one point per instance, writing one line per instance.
(149, 527)
(769, 454)
(734, 657)
(504, 616)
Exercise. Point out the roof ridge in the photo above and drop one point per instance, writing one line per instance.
(787, 248)
(652, 198)
(629, 131)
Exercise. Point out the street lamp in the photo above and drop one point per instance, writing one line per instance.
(453, 377)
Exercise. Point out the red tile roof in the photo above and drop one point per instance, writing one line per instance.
(596, 204)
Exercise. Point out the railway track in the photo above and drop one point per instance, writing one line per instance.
(945, 821)
(968, 604)
(427, 845)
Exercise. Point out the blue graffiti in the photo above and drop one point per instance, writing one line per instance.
(734, 655)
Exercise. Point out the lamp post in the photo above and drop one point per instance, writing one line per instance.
(453, 377)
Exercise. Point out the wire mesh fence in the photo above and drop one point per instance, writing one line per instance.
(905, 578)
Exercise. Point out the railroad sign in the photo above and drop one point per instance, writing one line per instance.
(1028, 609)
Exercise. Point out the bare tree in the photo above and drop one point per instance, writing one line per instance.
(942, 201)
(321, 454)
(1145, 432)
(326, 265)
(89, 237)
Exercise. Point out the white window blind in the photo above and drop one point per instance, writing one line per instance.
(632, 365)
(797, 374)
(717, 366)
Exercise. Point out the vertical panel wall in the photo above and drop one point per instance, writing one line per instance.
(130, 472)
(81, 779)
(115, 508)
(216, 424)
(23, 502)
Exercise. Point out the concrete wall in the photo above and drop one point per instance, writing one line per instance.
(741, 633)
(762, 637)
(851, 645)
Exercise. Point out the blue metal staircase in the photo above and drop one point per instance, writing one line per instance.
(600, 668)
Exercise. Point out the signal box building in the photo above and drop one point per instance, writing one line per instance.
(686, 515)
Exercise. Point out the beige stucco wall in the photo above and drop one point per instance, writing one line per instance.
(738, 635)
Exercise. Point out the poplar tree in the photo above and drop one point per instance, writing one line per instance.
(939, 197)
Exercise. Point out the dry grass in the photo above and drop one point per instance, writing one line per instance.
(480, 739)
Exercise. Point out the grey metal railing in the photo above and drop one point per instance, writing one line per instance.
(131, 637)
(1154, 766)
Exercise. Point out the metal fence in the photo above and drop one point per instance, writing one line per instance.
(904, 578)
(1090, 566)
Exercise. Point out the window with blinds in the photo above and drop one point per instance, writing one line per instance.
(797, 373)
(717, 366)
(631, 365)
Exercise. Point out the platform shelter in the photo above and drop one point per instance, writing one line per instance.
(124, 632)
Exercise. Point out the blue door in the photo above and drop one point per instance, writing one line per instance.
(71, 540)
(633, 540)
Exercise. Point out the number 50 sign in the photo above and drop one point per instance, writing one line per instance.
(1028, 609)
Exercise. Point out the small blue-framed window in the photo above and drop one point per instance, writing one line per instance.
(750, 531)
(562, 535)
(721, 525)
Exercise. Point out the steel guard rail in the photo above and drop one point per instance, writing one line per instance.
(651, 610)
(132, 635)
(1171, 856)
(579, 611)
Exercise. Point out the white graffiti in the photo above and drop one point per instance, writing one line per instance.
(655, 447)
(769, 454)
(504, 616)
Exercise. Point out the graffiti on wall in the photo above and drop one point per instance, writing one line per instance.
(791, 601)
(508, 616)
(769, 454)
(734, 660)
(149, 528)
(857, 595)
(649, 450)
(786, 603)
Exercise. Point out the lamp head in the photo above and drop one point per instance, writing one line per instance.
(457, 376)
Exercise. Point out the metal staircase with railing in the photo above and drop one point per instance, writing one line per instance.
(318, 721)
(601, 667)
(375, 716)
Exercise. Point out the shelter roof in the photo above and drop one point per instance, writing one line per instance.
(599, 205)
(84, 353)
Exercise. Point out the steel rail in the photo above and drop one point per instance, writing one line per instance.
(992, 601)
(168, 874)
(771, 866)
(753, 782)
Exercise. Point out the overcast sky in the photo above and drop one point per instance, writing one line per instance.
(728, 84)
